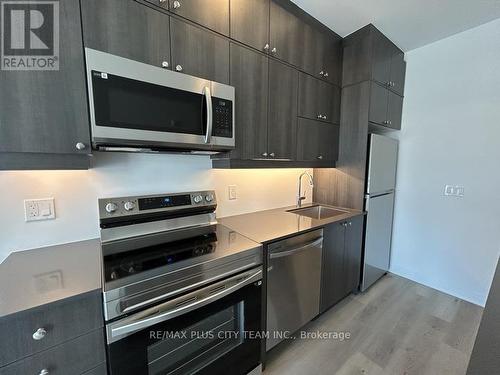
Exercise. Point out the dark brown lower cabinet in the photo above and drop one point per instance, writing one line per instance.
(342, 248)
(317, 141)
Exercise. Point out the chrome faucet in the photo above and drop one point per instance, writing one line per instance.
(300, 198)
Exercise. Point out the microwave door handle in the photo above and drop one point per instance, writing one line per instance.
(210, 115)
(121, 330)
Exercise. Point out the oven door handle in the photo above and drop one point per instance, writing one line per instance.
(181, 305)
(210, 115)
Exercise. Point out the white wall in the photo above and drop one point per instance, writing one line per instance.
(451, 135)
(76, 193)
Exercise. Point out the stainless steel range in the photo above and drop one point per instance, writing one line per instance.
(181, 292)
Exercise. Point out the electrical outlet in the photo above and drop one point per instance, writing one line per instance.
(232, 192)
(39, 209)
(454, 191)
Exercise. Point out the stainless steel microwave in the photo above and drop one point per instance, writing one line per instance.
(140, 107)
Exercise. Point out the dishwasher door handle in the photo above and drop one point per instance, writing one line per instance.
(296, 249)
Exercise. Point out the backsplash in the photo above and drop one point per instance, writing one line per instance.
(118, 174)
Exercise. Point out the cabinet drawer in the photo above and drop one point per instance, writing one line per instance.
(62, 321)
(73, 357)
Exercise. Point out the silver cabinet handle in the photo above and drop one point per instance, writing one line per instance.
(320, 116)
(80, 146)
(320, 157)
(324, 117)
(390, 122)
(274, 50)
(266, 47)
(208, 100)
(265, 154)
(386, 122)
(272, 154)
(39, 334)
(322, 73)
(177, 4)
(178, 68)
(163, 1)
(44, 372)
(326, 74)
(281, 254)
(164, 64)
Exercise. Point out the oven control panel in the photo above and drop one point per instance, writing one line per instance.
(223, 118)
(128, 206)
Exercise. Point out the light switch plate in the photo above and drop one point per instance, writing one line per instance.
(39, 209)
(232, 192)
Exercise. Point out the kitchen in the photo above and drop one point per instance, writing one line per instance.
(372, 108)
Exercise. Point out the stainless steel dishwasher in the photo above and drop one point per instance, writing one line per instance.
(293, 284)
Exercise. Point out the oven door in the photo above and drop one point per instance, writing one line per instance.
(140, 105)
(213, 330)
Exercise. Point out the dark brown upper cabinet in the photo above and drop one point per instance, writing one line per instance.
(160, 3)
(286, 34)
(317, 141)
(398, 72)
(251, 103)
(394, 110)
(370, 55)
(322, 53)
(44, 122)
(318, 100)
(128, 29)
(198, 52)
(386, 107)
(250, 23)
(282, 118)
(213, 14)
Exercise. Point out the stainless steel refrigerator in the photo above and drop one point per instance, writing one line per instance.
(379, 203)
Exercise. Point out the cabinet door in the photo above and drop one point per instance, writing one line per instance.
(313, 51)
(199, 53)
(46, 111)
(332, 274)
(317, 141)
(395, 110)
(332, 45)
(160, 3)
(287, 35)
(213, 14)
(352, 256)
(382, 55)
(378, 104)
(128, 29)
(251, 101)
(318, 100)
(282, 119)
(398, 72)
(250, 22)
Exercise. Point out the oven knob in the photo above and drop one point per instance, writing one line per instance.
(209, 198)
(111, 207)
(129, 206)
(198, 199)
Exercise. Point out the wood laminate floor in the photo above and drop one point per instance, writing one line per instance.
(397, 327)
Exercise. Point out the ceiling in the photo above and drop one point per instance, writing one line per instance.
(408, 23)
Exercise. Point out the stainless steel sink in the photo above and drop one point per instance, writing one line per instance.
(318, 212)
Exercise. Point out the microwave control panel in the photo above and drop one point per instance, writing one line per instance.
(223, 118)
